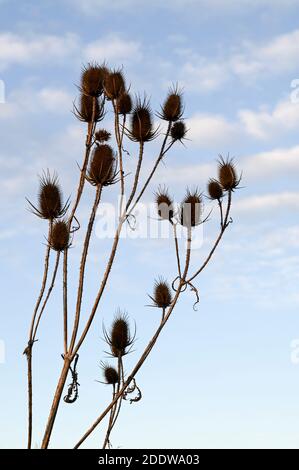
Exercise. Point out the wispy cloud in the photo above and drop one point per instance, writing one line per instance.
(113, 48)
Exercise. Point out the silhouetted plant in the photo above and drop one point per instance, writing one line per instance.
(102, 89)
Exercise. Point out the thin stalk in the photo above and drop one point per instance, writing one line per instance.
(65, 304)
(137, 175)
(223, 228)
(177, 252)
(83, 264)
(119, 138)
(113, 410)
(28, 350)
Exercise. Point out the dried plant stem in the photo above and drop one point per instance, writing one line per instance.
(83, 264)
(114, 411)
(147, 350)
(65, 304)
(120, 157)
(47, 296)
(137, 175)
(28, 350)
(223, 228)
(159, 158)
(177, 252)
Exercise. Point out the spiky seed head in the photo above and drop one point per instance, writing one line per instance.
(124, 104)
(102, 167)
(178, 131)
(114, 84)
(92, 79)
(191, 209)
(142, 129)
(172, 109)
(164, 204)
(60, 236)
(90, 108)
(102, 135)
(120, 338)
(110, 374)
(227, 174)
(162, 294)
(215, 189)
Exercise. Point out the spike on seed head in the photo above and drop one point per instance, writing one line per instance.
(102, 168)
(215, 189)
(178, 131)
(92, 79)
(114, 84)
(172, 109)
(164, 204)
(60, 236)
(191, 209)
(227, 174)
(102, 135)
(119, 338)
(142, 129)
(124, 104)
(110, 374)
(162, 297)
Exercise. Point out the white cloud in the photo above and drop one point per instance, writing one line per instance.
(113, 48)
(266, 202)
(211, 130)
(17, 49)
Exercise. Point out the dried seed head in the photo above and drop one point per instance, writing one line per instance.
(92, 79)
(90, 109)
(102, 169)
(124, 104)
(164, 204)
(178, 131)
(110, 374)
(215, 189)
(102, 135)
(227, 174)
(114, 84)
(191, 209)
(142, 122)
(119, 338)
(162, 294)
(60, 236)
(172, 109)
(50, 204)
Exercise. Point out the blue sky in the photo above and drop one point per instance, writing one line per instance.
(221, 376)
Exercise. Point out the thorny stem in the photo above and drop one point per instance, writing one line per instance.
(119, 139)
(137, 175)
(28, 350)
(47, 296)
(83, 264)
(114, 412)
(147, 349)
(160, 156)
(223, 228)
(65, 305)
(177, 249)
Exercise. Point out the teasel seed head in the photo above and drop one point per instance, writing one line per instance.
(164, 204)
(102, 135)
(162, 297)
(172, 109)
(124, 104)
(60, 236)
(50, 205)
(102, 168)
(90, 107)
(114, 84)
(227, 174)
(119, 338)
(191, 209)
(92, 79)
(178, 131)
(215, 189)
(110, 374)
(142, 129)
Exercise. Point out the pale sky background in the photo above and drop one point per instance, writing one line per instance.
(221, 376)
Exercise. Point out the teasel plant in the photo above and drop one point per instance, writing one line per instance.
(105, 163)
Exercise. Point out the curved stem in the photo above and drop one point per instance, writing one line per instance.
(224, 227)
